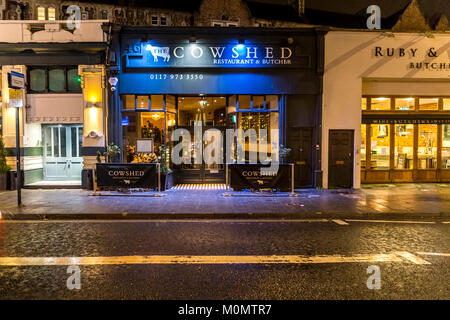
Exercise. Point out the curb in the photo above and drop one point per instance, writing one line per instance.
(212, 216)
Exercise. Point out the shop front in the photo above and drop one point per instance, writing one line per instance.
(207, 81)
(390, 91)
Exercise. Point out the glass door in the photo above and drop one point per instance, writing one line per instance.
(211, 113)
(62, 152)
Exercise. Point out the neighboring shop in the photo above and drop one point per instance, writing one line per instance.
(386, 109)
(222, 78)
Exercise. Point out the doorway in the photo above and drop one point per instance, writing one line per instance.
(211, 113)
(62, 152)
(300, 142)
(340, 159)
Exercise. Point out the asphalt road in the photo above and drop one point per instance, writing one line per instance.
(319, 259)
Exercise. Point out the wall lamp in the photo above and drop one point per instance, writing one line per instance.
(290, 40)
(92, 105)
(192, 39)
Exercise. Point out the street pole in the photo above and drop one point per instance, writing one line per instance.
(18, 165)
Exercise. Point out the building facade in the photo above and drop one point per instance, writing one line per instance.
(64, 72)
(354, 106)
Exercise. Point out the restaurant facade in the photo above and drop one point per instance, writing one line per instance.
(248, 78)
(386, 108)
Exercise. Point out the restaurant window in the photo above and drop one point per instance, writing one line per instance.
(446, 103)
(258, 102)
(157, 102)
(38, 80)
(272, 102)
(363, 146)
(51, 13)
(380, 143)
(129, 102)
(446, 146)
(244, 102)
(380, 103)
(405, 104)
(56, 79)
(41, 13)
(404, 146)
(428, 104)
(427, 146)
(142, 102)
(364, 104)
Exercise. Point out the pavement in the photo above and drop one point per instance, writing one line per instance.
(398, 201)
(225, 259)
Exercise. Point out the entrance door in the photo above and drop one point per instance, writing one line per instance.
(340, 159)
(62, 152)
(211, 112)
(300, 142)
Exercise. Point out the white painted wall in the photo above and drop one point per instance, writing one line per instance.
(350, 62)
(18, 31)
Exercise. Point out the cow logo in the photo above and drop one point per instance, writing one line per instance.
(156, 52)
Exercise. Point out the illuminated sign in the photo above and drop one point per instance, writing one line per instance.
(150, 55)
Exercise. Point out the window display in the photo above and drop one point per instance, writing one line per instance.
(446, 146)
(428, 103)
(380, 103)
(404, 146)
(363, 146)
(380, 150)
(405, 104)
(427, 146)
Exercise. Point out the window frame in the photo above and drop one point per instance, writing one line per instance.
(252, 109)
(47, 70)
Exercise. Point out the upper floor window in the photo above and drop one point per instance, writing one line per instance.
(155, 20)
(51, 13)
(163, 20)
(41, 13)
(224, 23)
(54, 80)
(104, 14)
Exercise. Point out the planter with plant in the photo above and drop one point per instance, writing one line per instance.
(166, 174)
(4, 168)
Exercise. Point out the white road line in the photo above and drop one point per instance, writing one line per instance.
(446, 222)
(390, 221)
(170, 221)
(180, 259)
(410, 257)
(340, 222)
(434, 254)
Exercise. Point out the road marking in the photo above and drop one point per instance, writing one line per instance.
(434, 254)
(410, 257)
(170, 221)
(446, 222)
(186, 259)
(390, 221)
(340, 222)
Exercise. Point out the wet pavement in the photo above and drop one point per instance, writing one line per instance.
(423, 274)
(395, 200)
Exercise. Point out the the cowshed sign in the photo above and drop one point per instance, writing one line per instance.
(151, 55)
(130, 175)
